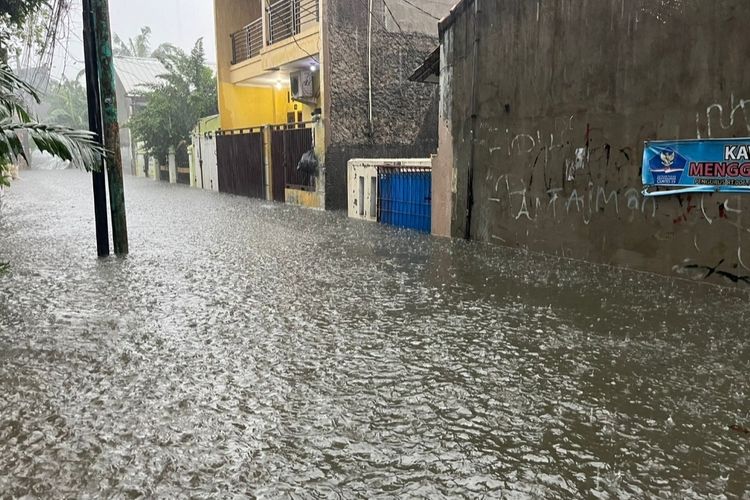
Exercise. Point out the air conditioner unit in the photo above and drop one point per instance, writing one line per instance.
(302, 84)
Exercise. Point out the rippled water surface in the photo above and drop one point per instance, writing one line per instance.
(248, 348)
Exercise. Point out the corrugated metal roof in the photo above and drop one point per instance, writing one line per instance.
(134, 72)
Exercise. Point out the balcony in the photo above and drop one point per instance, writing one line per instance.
(283, 20)
(247, 42)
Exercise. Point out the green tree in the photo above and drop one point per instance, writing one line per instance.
(186, 93)
(15, 12)
(77, 146)
(13, 15)
(67, 104)
(31, 28)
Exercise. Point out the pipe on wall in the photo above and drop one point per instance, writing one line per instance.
(369, 65)
(474, 111)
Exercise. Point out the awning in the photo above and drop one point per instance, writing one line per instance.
(429, 71)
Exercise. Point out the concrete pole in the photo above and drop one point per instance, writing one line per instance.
(155, 168)
(99, 178)
(172, 167)
(111, 129)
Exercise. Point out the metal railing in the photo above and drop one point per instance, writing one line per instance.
(247, 42)
(287, 18)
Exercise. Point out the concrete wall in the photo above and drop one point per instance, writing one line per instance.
(404, 113)
(411, 16)
(362, 186)
(566, 94)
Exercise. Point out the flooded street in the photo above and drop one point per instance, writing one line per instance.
(248, 348)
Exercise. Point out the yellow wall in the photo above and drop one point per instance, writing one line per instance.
(245, 107)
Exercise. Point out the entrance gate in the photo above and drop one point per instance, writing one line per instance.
(288, 144)
(241, 168)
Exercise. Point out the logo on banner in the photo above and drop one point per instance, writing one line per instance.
(667, 166)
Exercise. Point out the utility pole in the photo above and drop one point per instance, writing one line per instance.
(111, 129)
(95, 125)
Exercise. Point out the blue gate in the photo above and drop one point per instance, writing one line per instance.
(405, 197)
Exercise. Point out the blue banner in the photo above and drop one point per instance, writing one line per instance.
(708, 165)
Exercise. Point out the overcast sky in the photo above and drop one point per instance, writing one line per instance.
(180, 22)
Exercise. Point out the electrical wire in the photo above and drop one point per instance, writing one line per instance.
(420, 9)
(407, 48)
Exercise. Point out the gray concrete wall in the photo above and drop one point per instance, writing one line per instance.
(566, 94)
(413, 16)
(404, 113)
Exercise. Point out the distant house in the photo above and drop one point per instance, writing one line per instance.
(133, 75)
(327, 76)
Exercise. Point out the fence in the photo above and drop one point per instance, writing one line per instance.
(288, 144)
(164, 173)
(405, 197)
(241, 168)
(182, 161)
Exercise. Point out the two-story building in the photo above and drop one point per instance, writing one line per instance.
(329, 76)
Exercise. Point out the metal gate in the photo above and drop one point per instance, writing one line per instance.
(405, 197)
(287, 147)
(164, 173)
(241, 168)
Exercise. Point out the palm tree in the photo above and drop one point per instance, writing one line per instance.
(140, 46)
(79, 147)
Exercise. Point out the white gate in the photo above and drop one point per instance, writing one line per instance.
(206, 171)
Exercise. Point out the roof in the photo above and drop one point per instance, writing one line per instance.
(134, 72)
(456, 11)
(429, 71)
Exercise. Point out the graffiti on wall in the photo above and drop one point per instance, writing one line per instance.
(560, 178)
(722, 117)
(572, 173)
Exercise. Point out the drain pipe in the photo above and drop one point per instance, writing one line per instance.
(369, 65)
(475, 71)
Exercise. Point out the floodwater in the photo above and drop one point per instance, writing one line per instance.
(251, 349)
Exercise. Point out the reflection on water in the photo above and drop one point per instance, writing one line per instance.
(251, 348)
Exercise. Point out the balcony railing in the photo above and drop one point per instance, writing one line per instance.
(247, 42)
(285, 19)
